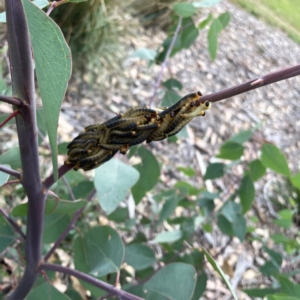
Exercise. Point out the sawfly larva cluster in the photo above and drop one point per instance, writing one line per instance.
(100, 142)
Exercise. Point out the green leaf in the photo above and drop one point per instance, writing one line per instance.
(259, 293)
(295, 180)
(269, 269)
(224, 19)
(247, 193)
(282, 297)
(231, 220)
(214, 170)
(6, 234)
(172, 84)
(275, 257)
(52, 206)
(47, 291)
(231, 150)
(12, 158)
(144, 53)
(167, 237)
(176, 281)
(206, 201)
(206, 3)
(99, 252)
(200, 286)
(4, 176)
(190, 172)
(113, 180)
(41, 3)
(3, 17)
(256, 169)
(139, 256)
(274, 159)
(119, 215)
(55, 224)
(62, 148)
(170, 97)
(218, 269)
(82, 189)
(288, 287)
(286, 218)
(188, 36)
(52, 58)
(241, 137)
(168, 208)
(184, 9)
(212, 37)
(205, 22)
(149, 174)
(187, 188)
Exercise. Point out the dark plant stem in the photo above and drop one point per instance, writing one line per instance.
(9, 117)
(11, 100)
(61, 171)
(253, 84)
(77, 214)
(90, 279)
(22, 74)
(10, 172)
(54, 4)
(164, 64)
(13, 223)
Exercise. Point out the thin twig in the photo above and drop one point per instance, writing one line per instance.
(90, 279)
(13, 223)
(10, 172)
(68, 188)
(9, 117)
(76, 215)
(11, 100)
(267, 79)
(61, 171)
(164, 64)
(54, 4)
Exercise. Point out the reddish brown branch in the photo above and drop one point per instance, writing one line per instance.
(90, 279)
(61, 171)
(9, 117)
(11, 100)
(276, 76)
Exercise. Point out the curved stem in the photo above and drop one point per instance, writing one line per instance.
(269, 78)
(61, 171)
(90, 279)
(9, 117)
(164, 64)
(11, 100)
(22, 74)
(10, 172)
(68, 228)
(13, 223)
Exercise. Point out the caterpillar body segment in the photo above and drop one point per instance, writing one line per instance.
(198, 111)
(123, 134)
(98, 127)
(139, 111)
(150, 126)
(129, 127)
(100, 142)
(184, 100)
(178, 127)
(178, 117)
(159, 132)
(76, 143)
(143, 137)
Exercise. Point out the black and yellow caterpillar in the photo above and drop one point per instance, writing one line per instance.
(100, 142)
